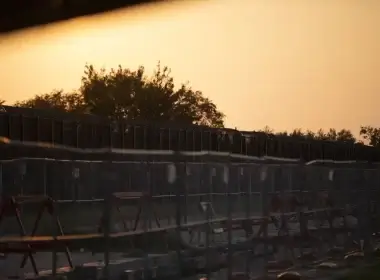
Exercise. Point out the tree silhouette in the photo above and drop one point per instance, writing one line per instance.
(371, 134)
(309, 134)
(267, 130)
(57, 100)
(346, 136)
(321, 135)
(343, 135)
(282, 133)
(297, 133)
(125, 94)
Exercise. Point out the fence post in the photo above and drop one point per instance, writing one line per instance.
(44, 177)
(366, 214)
(210, 172)
(107, 228)
(175, 177)
(303, 199)
(147, 206)
(226, 182)
(1, 179)
(75, 185)
(265, 213)
(248, 200)
(22, 172)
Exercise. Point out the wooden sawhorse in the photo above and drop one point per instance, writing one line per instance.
(10, 206)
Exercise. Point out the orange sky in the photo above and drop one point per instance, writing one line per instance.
(286, 64)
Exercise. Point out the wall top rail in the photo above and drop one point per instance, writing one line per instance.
(146, 153)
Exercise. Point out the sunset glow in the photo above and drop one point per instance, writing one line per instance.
(286, 64)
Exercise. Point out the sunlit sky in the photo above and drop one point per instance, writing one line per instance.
(286, 64)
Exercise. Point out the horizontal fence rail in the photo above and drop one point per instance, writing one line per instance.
(86, 180)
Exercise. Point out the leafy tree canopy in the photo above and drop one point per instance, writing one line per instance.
(343, 135)
(122, 93)
(371, 134)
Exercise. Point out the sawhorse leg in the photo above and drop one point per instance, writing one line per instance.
(142, 204)
(11, 207)
(48, 205)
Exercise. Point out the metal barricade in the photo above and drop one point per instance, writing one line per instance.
(222, 213)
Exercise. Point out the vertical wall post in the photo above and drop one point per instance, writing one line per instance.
(365, 243)
(175, 177)
(107, 228)
(248, 201)
(1, 179)
(226, 181)
(44, 177)
(55, 243)
(265, 213)
(22, 172)
(75, 186)
(146, 206)
(303, 193)
(208, 217)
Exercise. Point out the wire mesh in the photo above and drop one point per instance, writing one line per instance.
(216, 218)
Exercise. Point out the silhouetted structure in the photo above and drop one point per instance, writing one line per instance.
(91, 132)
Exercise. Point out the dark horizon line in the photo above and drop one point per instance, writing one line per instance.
(16, 16)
